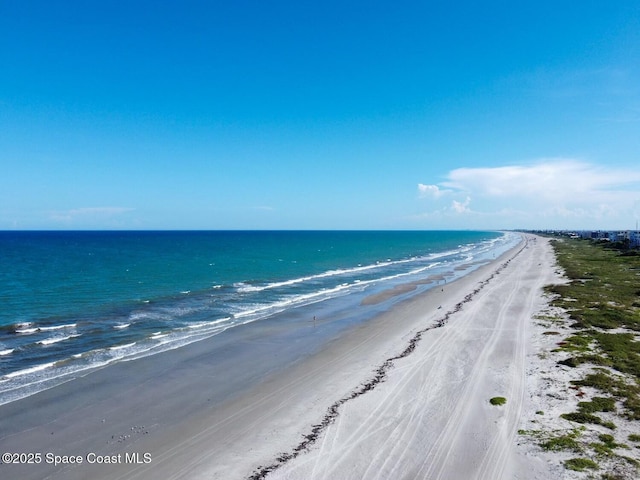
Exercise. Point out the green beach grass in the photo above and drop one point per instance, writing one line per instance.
(602, 301)
(602, 298)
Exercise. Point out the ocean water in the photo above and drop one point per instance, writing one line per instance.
(74, 301)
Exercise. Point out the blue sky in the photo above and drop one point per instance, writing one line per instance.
(319, 115)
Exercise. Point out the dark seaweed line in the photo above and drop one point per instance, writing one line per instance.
(379, 376)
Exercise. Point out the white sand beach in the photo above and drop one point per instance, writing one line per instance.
(404, 396)
(431, 418)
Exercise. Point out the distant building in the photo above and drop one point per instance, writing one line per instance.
(630, 236)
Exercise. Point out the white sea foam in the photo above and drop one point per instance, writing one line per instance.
(22, 326)
(292, 300)
(120, 347)
(135, 316)
(120, 326)
(24, 382)
(6, 351)
(325, 293)
(26, 331)
(27, 371)
(243, 287)
(57, 327)
(163, 313)
(52, 340)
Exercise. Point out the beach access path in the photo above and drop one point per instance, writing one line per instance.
(403, 396)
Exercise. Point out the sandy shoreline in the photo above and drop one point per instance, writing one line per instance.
(430, 418)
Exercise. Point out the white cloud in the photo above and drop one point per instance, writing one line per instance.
(433, 191)
(550, 179)
(546, 192)
(461, 207)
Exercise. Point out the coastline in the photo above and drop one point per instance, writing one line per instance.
(100, 317)
(432, 417)
(251, 428)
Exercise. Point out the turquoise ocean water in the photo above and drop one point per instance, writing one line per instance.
(73, 301)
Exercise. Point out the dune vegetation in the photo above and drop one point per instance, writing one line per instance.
(601, 301)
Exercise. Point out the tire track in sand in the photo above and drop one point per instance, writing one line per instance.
(406, 423)
(437, 458)
(380, 375)
(494, 465)
(495, 461)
